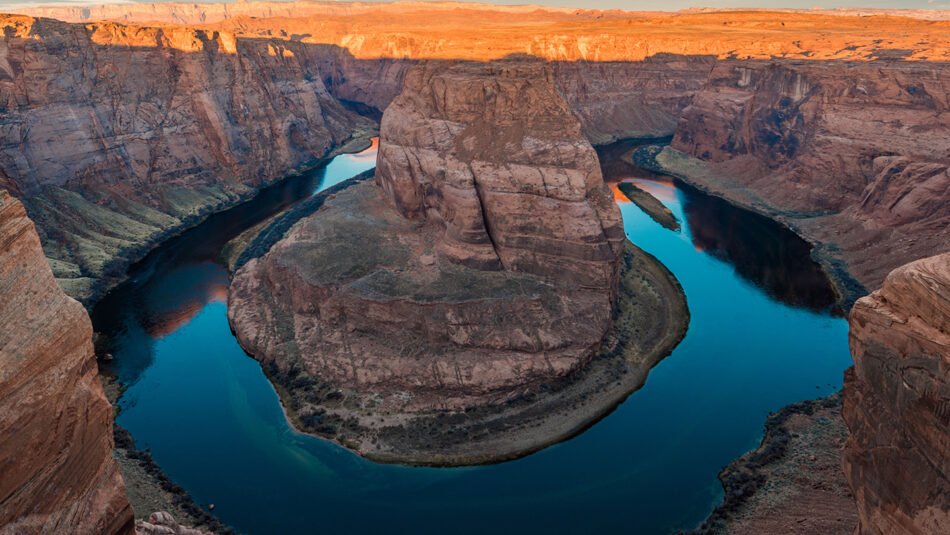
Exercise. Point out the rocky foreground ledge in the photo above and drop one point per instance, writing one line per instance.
(477, 301)
(897, 402)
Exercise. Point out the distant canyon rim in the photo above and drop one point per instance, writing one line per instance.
(123, 125)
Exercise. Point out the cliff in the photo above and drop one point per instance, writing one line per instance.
(897, 402)
(57, 473)
(852, 155)
(115, 136)
(486, 150)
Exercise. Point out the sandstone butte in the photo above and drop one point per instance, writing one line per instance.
(57, 473)
(897, 402)
(480, 267)
(834, 125)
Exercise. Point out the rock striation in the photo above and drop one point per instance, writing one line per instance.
(492, 155)
(897, 402)
(165, 124)
(57, 473)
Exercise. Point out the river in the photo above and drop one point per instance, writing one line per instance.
(761, 336)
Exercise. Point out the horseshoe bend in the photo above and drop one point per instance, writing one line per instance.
(478, 270)
(451, 235)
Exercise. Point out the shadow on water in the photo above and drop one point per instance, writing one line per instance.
(761, 250)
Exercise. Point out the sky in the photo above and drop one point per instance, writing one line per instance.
(630, 5)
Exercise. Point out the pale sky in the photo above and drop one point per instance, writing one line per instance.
(630, 5)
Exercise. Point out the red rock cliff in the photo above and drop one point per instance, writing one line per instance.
(897, 402)
(57, 473)
(854, 154)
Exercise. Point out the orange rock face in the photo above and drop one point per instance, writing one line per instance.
(897, 402)
(57, 473)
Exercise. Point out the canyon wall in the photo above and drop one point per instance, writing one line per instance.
(854, 155)
(897, 402)
(114, 136)
(57, 473)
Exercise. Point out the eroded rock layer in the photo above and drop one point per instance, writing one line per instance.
(115, 135)
(493, 156)
(57, 473)
(897, 402)
(355, 297)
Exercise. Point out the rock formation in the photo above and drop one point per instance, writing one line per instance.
(493, 155)
(165, 124)
(480, 266)
(483, 261)
(162, 523)
(57, 473)
(897, 402)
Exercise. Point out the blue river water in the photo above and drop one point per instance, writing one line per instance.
(214, 424)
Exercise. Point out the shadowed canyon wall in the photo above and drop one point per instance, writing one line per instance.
(57, 473)
(115, 136)
(897, 402)
(853, 154)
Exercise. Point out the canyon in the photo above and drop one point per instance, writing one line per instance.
(57, 473)
(121, 126)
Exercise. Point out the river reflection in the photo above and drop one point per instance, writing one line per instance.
(761, 250)
(214, 423)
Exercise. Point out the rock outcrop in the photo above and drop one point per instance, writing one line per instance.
(493, 155)
(897, 402)
(483, 261)
(853, 155)
(57, 473)
(162, 523)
